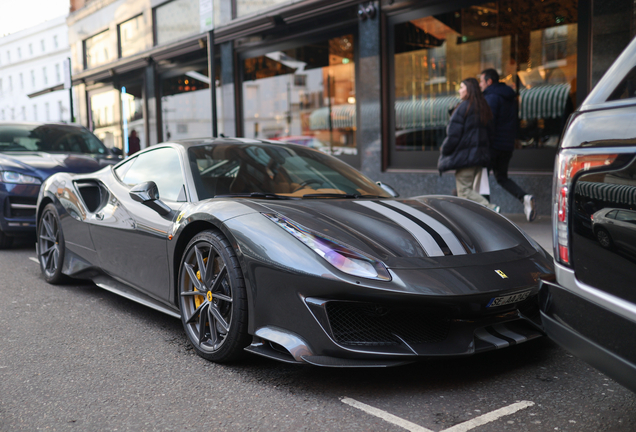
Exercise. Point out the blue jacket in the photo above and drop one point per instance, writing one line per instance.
(466, 142)
(502, 100)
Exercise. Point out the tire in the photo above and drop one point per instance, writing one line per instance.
(604, 238)
(5, 240)
(215, 321)
(51, 247)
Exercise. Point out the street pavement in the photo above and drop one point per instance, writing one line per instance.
(74, 357)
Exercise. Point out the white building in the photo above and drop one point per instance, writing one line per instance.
(32, 60)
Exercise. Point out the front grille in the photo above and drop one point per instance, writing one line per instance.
(21, 207)
(369, 324)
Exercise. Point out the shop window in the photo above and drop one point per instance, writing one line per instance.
(432, 54)
(186, 104)
(132, 36)
(97, 50)
(246, 7)
(176, 19)
(105, 118)
(304, 94)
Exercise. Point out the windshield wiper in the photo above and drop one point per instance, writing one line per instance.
(265, 195)
(337, 195)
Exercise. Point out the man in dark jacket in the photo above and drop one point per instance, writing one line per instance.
(503, 103)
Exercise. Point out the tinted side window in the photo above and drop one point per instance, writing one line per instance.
(626, 89)
(161, 166)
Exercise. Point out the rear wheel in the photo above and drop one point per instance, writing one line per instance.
(212, 298)
(51, 245)
(604, 238)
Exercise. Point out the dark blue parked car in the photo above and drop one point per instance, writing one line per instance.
(31, 152)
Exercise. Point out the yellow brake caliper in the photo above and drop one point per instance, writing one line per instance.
(198, 299)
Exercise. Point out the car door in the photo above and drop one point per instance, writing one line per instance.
(591, 309)
(130, 237)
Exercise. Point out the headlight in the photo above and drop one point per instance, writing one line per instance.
(341, 257)
(17, 178)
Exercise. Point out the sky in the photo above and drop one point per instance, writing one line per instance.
(16, 15)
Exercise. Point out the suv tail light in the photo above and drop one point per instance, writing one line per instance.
(568, 164)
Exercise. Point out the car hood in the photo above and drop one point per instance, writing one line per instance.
(43, 164)
(430, 231)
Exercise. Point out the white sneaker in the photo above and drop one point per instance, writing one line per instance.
(529, 208)
(496, 209)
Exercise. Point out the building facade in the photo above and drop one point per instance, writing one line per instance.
(32, 60)
(371, 82)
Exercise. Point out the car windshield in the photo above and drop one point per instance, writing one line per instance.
(287, 171)
(50, 139)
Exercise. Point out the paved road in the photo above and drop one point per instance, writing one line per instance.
(75, 357)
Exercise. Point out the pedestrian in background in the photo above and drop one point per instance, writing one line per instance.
(503, 103)
(133, 143)
(466, 146)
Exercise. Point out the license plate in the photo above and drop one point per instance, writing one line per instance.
(505, 300)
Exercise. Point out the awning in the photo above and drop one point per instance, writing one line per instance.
(424, 113)
(342, 116)
(620, 194)
(545, 101)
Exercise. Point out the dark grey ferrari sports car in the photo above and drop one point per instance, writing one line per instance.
(284, 251)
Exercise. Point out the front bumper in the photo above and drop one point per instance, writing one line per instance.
(18, 204)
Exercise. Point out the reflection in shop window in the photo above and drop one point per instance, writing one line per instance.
(185, 105)
(97, 50)
(132, 36)
(104, 120)
(177, 19)
(536, 57)
(246, 7)
(304, 95)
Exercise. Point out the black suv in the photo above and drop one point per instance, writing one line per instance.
(591, 308)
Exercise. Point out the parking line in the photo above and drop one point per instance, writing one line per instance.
(462, 427)
(489, 417)
(35, 260)
(385, 416)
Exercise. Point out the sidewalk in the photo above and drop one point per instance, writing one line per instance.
(540, 229)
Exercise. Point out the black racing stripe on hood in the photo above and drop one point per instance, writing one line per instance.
(438, 239)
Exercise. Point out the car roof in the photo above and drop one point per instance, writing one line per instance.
(36, 124)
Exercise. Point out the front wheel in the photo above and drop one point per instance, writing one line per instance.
(5, 240)
(51, 245)
(212, 298)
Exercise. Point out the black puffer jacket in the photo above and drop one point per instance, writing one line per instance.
(466, 143)
(503, 104)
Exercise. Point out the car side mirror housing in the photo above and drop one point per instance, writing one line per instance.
(116, 151)
(147, 193)
(388, 189)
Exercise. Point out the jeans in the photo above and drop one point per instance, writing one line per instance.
(499, 160)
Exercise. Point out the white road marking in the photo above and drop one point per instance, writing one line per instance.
(385, 416)
(35, 260)
(462, 427)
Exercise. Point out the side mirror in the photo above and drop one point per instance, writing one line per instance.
(116, 151)
(388, 189)
(147, 193)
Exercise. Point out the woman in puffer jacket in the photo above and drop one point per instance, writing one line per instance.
(465, 148)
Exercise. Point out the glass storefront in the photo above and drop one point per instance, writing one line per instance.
(176, 20)
(97, 50)
(104, 118)
(186, 103)
(132, 36)
(304, 95)
(432, 54)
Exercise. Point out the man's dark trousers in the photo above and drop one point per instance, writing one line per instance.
(499, 160)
